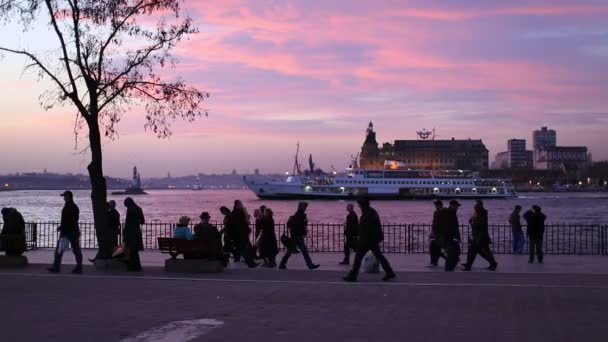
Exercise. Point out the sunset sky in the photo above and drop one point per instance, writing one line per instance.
(317, 72)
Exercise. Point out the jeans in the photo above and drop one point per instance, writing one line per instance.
(301, 245)
(375, 249)
(518, 242)
(75, 244)
(535, 245)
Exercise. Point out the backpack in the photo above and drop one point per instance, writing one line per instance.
(291, 223)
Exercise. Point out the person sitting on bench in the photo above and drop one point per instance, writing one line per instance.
(13, 232)
(182, 231)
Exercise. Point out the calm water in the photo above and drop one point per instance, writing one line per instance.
(168, 205)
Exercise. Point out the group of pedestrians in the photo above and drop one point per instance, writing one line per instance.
(445, 238)
(362, 234)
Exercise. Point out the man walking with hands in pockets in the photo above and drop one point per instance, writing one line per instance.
(68, 232)
(370, 237)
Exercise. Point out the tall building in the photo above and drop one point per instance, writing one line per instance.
(516, 156)
(519, 157)
(425, 153)
(544, 138)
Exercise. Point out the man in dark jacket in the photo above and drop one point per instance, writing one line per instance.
(13, 231)
(351, 233)
(450, 238)
(536, 230)
(68, 232)
(114, 222)
(436, 230)
(370, 237)
(480, 241)
(297, 226)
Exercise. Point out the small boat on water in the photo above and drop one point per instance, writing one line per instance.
(393, 182)
(135, 188)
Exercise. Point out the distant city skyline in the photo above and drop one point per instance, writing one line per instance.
(317, 72)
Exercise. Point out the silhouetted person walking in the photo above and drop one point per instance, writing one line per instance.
(450, 237)
(131, 234)
(229, 234)
(536, 230)
(370, 237)
(517, 231)
(298, 228)
(68, 232)
(351, 233)
(480, 242)
(239, 222)
(269, 247)
(113, 224)
(436, 230)
(13, 229)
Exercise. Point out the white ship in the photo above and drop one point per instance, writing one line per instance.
(391, 183)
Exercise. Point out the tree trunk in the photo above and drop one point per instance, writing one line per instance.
(99, 192)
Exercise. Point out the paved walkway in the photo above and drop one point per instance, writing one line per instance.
(565, 299)
(401, 262)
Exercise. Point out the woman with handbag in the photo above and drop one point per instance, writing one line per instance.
(132, 236)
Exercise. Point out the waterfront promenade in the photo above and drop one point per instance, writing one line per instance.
(565, 299)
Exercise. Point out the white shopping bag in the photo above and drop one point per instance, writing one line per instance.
(63, 245)
(371, 264)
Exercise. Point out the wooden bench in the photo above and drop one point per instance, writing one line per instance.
(199, 256)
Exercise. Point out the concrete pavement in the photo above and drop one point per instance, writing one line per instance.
(508, 263)
(566, 299)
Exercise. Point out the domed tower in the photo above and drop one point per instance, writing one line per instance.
(369, 151)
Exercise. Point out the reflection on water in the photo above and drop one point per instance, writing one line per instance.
(169, 205)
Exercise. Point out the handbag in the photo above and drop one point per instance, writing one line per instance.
(371, 264)
(289, 244)
(63, 244)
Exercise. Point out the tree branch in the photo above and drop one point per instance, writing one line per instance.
(64, 49)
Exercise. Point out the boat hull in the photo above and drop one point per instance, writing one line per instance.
(280, 196)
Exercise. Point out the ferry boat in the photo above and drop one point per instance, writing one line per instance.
(393, 182)
(385, 184)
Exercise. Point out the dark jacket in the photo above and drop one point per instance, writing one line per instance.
(268, 239)
(114, 221)
(239, 227)
(131, 234)
(515, 222)
(479, 228)
(370, 228)
(351, 228)
(536, 224)
(14, 224)
(438, 226)
(69, 220)
(258, 227)
(452, 227)
(208, 233)
(297, 224)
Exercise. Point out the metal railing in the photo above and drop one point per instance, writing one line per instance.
(581, 239)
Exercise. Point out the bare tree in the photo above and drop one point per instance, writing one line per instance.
(108, 58)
